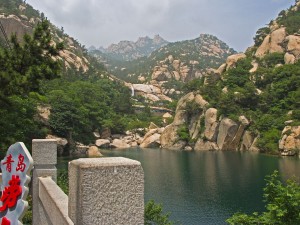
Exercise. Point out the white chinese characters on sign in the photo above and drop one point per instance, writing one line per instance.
(16, 167)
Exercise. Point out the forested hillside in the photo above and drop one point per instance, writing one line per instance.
(47, 70)
(198, 55)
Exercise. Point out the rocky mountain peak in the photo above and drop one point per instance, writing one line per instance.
(157, 39)
(129, 50)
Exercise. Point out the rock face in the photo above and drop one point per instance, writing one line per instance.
(227, 130)
(44, 113)
(211, 124)
(279, 41)
(272, 43)
(152, 92)
(74, 60)
(93, 151)
(152, 138)
(231, 60)
(290, 139)
(22, 24)
(102, 143)
(13, 24)
(207, 130)
(118, 143)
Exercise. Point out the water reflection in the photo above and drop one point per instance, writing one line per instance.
(207, 187)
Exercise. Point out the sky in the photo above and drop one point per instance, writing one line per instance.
(103, 22)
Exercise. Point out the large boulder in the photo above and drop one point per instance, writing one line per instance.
(102, 143)
(211, 124)
(277, 38)
(118, 143)
(105, 133)
(232, 60)
(247, 141)
(195, 125)
(93, 151)
(227, 131)
(202, 145)
(272, 43)
(183, 116)
(290, 140)
(169, 138)
(263, 49)
(152, 141)
(293, 47)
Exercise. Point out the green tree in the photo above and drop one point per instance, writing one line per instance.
(282, 205)
(154, 214)
(26, 64)
(22, 68)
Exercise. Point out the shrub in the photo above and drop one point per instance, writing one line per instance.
(282, 205)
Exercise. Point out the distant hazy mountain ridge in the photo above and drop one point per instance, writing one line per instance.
(129, 50)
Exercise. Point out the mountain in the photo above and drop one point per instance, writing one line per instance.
(129, 50)
(186, 60)
(251, 102)
(18, 17)
(50, 85)
(171, 66)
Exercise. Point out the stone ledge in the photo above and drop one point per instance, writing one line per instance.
(108, 191)
(55, 201)
(44, 151)
(104, 162)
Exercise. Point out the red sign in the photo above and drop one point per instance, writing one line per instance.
(16, 167)
(8, 162)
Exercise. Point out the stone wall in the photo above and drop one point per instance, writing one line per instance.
(101, 190)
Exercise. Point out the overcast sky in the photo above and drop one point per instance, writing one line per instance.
(102, 22)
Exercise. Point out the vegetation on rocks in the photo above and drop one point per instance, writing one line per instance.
(282, 205)
(23, 67)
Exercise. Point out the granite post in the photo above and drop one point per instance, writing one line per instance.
(106, 191)
(44, 154)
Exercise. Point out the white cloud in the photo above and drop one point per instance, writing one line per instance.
(101, 22)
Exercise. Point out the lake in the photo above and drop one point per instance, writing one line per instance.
(206, 187)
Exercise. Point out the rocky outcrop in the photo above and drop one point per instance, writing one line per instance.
(93, 151)
(207, 131)
(12, 24)
(227, 130)
(118, 143)
(290, 140)
(169, 138)
(279, 41)
(44, 112)
(72, 59)
(148, 91)
(292, 49)
(272, 43)
(152, 138)
(211, 124)
(232, 60)
(102, 143)
(21, 25)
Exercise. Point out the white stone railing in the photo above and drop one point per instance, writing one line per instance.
(101, 190)
(54, 201)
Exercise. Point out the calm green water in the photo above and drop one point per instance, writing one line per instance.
(206, 187)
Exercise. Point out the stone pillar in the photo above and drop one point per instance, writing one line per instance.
(106, 191)
(44, 154)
